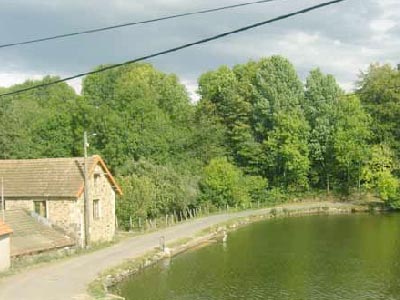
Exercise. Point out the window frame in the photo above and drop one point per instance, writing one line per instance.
(96, 183)
(37, 205)
(96, 209)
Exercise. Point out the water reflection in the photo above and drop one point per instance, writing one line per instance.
(320, 257)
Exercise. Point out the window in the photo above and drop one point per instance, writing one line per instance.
(96, 181)
(40, 208)
(96, 209)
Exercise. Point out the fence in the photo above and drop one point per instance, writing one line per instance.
(141, 224)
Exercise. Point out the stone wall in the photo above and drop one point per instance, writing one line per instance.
(63, 213)
(4, 252)
(103, 228)
(18, 204)
(66, 215)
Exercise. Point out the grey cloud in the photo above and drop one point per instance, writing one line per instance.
(346, 24)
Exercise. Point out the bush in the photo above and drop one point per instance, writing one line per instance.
(151, 191)
(378, 175)
(225, 184)
(276, 196)
(257, 188)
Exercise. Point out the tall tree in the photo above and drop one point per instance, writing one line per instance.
(321, 98)
(351, 142)
(220, 90)
(258, 103)
(286, 140)
(379, 92)
(37, 123)
(139, 112)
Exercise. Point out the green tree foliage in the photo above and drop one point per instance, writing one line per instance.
(351, 142)
(38, 123)
(152, 190)
(259, 105)
(256, 123)
(320, 102)
(378, 174)
(379, 92)
(12, 136)
(209, 135)
(137, 202)
(139, 112)
(225, 184)
(220, 91)
(286, 129)
(287, 152)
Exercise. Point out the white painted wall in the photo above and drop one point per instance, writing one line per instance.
(4, 252)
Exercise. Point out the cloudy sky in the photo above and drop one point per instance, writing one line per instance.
(341, 39)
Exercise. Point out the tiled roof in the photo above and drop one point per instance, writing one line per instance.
(4, 229)
(48, 177)
(30, 236)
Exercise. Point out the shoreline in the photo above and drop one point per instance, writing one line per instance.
(99, 288)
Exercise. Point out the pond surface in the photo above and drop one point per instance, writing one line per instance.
(319, 257)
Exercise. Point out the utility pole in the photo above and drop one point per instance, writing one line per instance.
(86, 191)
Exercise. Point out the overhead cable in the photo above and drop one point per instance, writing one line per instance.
(95, 30)
(178, 48)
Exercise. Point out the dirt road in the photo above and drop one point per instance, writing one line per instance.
(68, 279)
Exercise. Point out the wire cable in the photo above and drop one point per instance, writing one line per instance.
(178, 48)
(94, 30)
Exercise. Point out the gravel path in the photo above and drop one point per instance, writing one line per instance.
(68, 279)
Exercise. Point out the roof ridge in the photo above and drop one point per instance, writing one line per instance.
(49, 158)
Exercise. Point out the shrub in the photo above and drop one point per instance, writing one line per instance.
(151, 191)
(225, 184)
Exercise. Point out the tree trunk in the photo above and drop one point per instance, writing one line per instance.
(328, 185)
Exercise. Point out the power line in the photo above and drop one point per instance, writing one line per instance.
(178, 48)
(95, 30)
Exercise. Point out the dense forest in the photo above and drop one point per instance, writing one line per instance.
(257, 134)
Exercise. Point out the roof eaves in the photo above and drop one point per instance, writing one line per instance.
(97, 159)
(5, 229)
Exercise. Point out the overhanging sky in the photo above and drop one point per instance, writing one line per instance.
(341, 39)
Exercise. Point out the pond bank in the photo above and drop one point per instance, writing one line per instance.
(99, 289)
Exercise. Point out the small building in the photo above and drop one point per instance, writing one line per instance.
(53, 190)
(5, 232)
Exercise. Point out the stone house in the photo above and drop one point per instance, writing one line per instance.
(5, 232)
(53, 190)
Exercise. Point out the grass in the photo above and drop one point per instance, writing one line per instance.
(98, 289)
(179, 242)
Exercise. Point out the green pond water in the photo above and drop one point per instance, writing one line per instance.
(319, 257)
